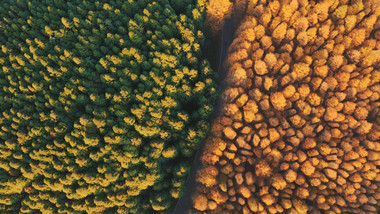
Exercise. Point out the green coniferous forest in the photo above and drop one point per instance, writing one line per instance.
(102, 103)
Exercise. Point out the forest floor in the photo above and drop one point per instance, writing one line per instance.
(185, 203)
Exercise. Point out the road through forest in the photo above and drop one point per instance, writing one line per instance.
(184, 203)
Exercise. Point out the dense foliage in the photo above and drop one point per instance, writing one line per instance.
(299, 130)
(102, 104)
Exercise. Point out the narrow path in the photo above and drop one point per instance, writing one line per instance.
(184, 203)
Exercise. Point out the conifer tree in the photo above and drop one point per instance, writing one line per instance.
(93, 104)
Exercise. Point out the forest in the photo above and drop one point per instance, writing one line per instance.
(103, 104)
(160, 106)
(299, 126)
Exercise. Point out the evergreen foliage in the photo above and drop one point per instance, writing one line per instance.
(102, 104)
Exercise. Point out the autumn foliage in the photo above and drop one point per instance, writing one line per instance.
(300, 114)
(217, 11)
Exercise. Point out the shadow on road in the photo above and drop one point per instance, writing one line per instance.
(184, 204)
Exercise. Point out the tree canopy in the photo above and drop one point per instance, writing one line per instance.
(103, 104)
